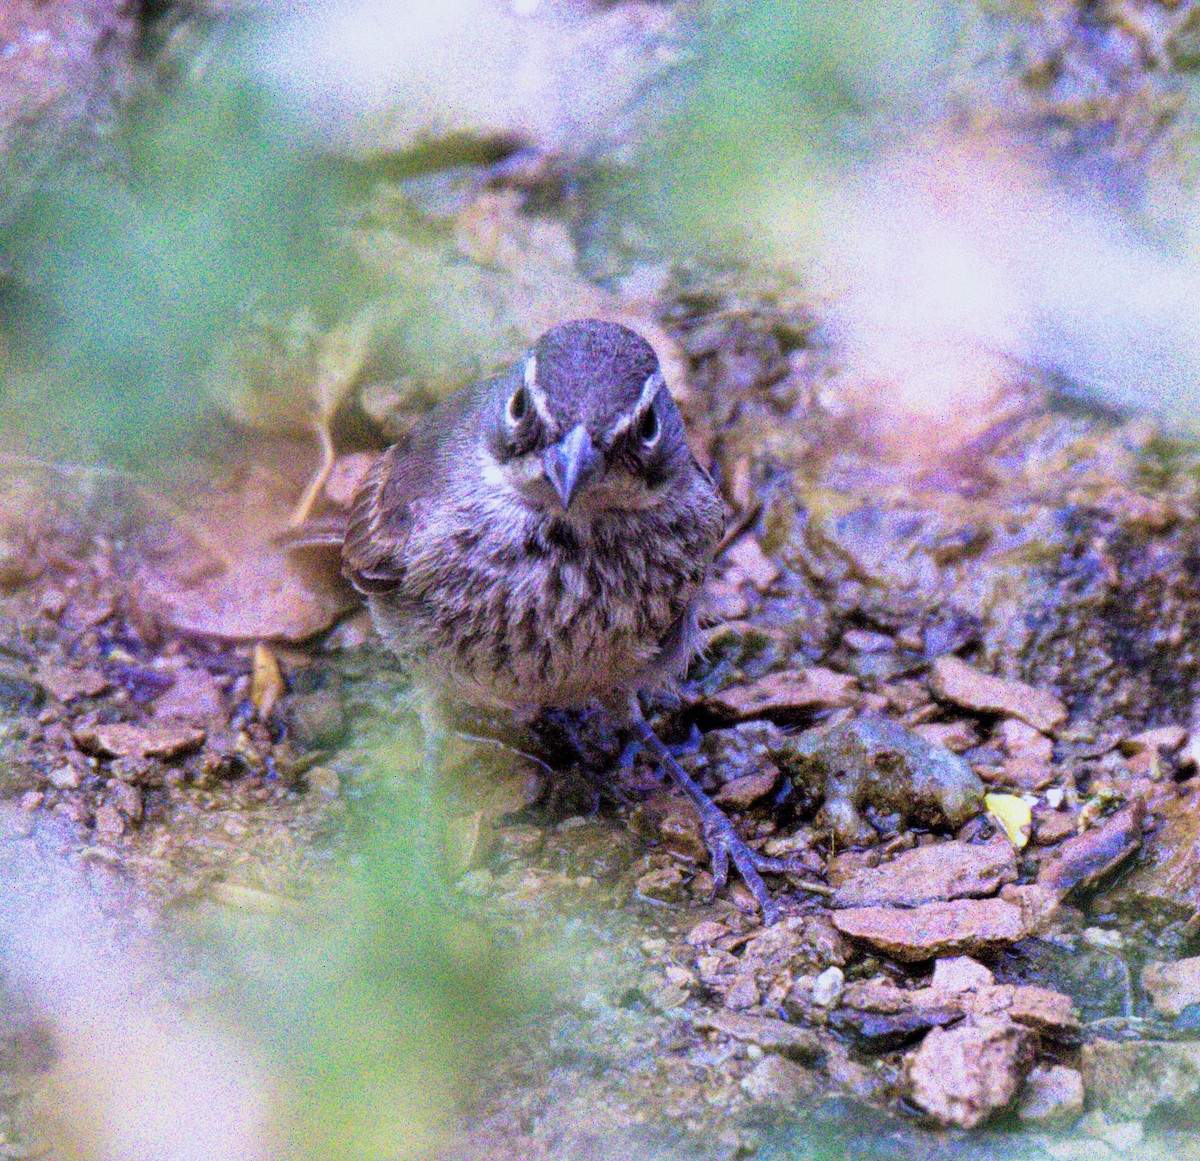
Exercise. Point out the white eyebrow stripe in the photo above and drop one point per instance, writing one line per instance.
(537, 394)
(619, 428)
(650, 389)
(652, 386)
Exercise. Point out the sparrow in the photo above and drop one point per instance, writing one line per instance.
(542, 542)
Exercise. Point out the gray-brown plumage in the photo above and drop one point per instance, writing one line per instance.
(543, 542)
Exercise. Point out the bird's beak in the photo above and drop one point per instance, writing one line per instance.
(572, 464)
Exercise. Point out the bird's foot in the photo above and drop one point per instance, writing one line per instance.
(724, 844)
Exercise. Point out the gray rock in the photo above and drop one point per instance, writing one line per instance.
(780, 1082)
(1173, 986)
(871, 762)
(1052, 1096)
(961, 973)
(1131, 1079)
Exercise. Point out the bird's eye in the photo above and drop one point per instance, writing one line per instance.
(518, 406)
(648, 428)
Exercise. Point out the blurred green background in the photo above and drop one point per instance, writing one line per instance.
(230, 191)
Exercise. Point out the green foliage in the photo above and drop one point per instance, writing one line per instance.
(129, 276)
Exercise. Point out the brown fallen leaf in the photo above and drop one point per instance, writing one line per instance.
(265, 595)
(120, 740)
(247, 588)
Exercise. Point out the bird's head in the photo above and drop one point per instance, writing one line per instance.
(584, 422)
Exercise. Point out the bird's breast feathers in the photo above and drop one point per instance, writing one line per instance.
(528, 610)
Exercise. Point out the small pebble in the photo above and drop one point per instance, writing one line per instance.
(828, 988)
(1103, 939)
(64, 778)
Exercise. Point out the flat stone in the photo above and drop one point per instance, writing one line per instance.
(193, 695)
(955, 681)
(127, 799)
(1052, 1096)
(955, 736)
(64, 777)
(109, 823)
(960, 973)
(1037, 904)
(743, 992)
(778, 1082)
(1027, 772)
(1083, 859)
(1041, 1009)
(1167, 876)
(863, 642)
(877, 995)
(962, 1076)
(941, 871)
(797, 943)
(681, 831)
(664, 884)
(934, 929)
(1173, 986)
(262, 595)
(67, 683)
(164, 740)
(1162, 738)
(705, 932)
(1130, 1079)
(888, 1031)
(792, 691)
(769, 1035)
(1021, 738)
(747, 790)
(1052, 826)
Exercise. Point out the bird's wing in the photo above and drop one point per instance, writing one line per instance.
(317, 532)
(381, 516)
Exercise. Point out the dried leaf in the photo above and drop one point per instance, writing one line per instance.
(1013, 814)
(266, 680)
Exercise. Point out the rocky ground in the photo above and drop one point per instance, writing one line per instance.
(960, 696)
(952, 671)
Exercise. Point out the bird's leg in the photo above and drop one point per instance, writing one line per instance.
(724, 844)
(634, 747)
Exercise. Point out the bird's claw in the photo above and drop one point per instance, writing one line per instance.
(725, 845)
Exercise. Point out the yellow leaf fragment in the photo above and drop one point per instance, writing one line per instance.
(266, 681)
(1013, 814)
